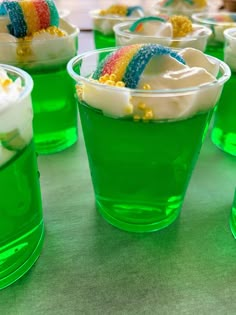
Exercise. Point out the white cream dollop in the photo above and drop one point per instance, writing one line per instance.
(9, 90)
(15, 113)
(43, 49)
(162, 73)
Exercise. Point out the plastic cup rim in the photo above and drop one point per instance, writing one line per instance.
(118, 31)
(202, 18)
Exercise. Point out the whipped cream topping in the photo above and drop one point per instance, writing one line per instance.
(175, 90)
(9, 90)
(43, 48)
(162, 33)
(15, 117)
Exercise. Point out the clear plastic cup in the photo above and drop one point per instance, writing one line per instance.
(55, 110)
(125, 37)
(21, 219)
(103, 33)
(140, 168)
(217, 22)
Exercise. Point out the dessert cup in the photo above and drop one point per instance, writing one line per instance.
(103, 33)
(141, 168)
(124, 36)
(21, 220)
(217, 22)
(55, 111)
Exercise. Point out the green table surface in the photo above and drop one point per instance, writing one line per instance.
(89, 267)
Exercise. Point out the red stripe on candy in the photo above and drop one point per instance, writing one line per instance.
(113, 61)
(43, 12)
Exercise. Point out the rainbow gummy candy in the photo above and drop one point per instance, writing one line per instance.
(128, 63)
(181, 25)
(29, 16)
(137, 25)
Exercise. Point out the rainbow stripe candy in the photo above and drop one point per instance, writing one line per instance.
(138, 25)
(29, 16)
(128, 63)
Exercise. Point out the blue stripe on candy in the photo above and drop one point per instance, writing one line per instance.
(54, 16)
(2, 10)
(141, 59)
(18, 27)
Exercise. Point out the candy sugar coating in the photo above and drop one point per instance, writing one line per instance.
(129, 62)
(29, 16)
(138, 25)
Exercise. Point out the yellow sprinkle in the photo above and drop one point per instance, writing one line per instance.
(146, 86)
(120, 84)
(136, 117)
(23, 51)
(53, 30)
(129, 109)
(102, 80)
(4, 83)
(148, 114)
(112, 77)
(142, 106)
(118, 9)
(110, 82)
(79, 91)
